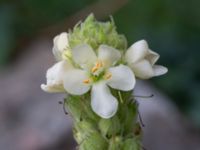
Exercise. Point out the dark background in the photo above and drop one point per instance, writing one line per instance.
(171, 27)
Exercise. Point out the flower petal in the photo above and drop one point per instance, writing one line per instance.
(159, 70)
(142, 69)
(74, 82)
(152, 57)
(108, 55)
(122, 78)
(142, 60)
(52, 88)
(55, 76)
(84, 56)
(60, 44)
(102, 101)
(137, 51)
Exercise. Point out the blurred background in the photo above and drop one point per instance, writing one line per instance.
(33, 120)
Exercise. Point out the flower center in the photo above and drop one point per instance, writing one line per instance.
(97, 73)
(97, 67)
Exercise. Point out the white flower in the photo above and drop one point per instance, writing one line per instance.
(55, 76)
(97, 72)
(60, 45)
(142, 61)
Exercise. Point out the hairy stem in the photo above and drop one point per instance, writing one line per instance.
(121, 132)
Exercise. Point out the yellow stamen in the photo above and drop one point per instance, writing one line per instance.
(86, 81)
(108, 76)
(94, 69)
(98, 65)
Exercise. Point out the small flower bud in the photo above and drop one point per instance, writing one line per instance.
(95, 33)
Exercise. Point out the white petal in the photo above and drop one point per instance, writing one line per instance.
(142, 69)
(53, 88)
(74, 82)
(137, 51)
(57, 71)
(84, 56)
(152, 57)
(60, 44)
(55, 76)
(141, 60)
(108, 55)
(61, 41)
(159, 70)
(122, 78)
(102, 101)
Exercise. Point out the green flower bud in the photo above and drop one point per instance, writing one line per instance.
(95, 33)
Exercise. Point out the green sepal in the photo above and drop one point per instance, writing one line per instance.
(83, 129)
(79, 107)
(115, 143)
(73, 106)
(128, 116)
(109, 127)
(94, 141)
(132, 144)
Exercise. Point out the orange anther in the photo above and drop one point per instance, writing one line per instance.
(86, 81)
(99, 64)
(94, 69)
(108, 76)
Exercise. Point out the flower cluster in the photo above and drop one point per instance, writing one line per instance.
(88, 65)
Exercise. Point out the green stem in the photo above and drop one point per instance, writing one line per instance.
(121, 132)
